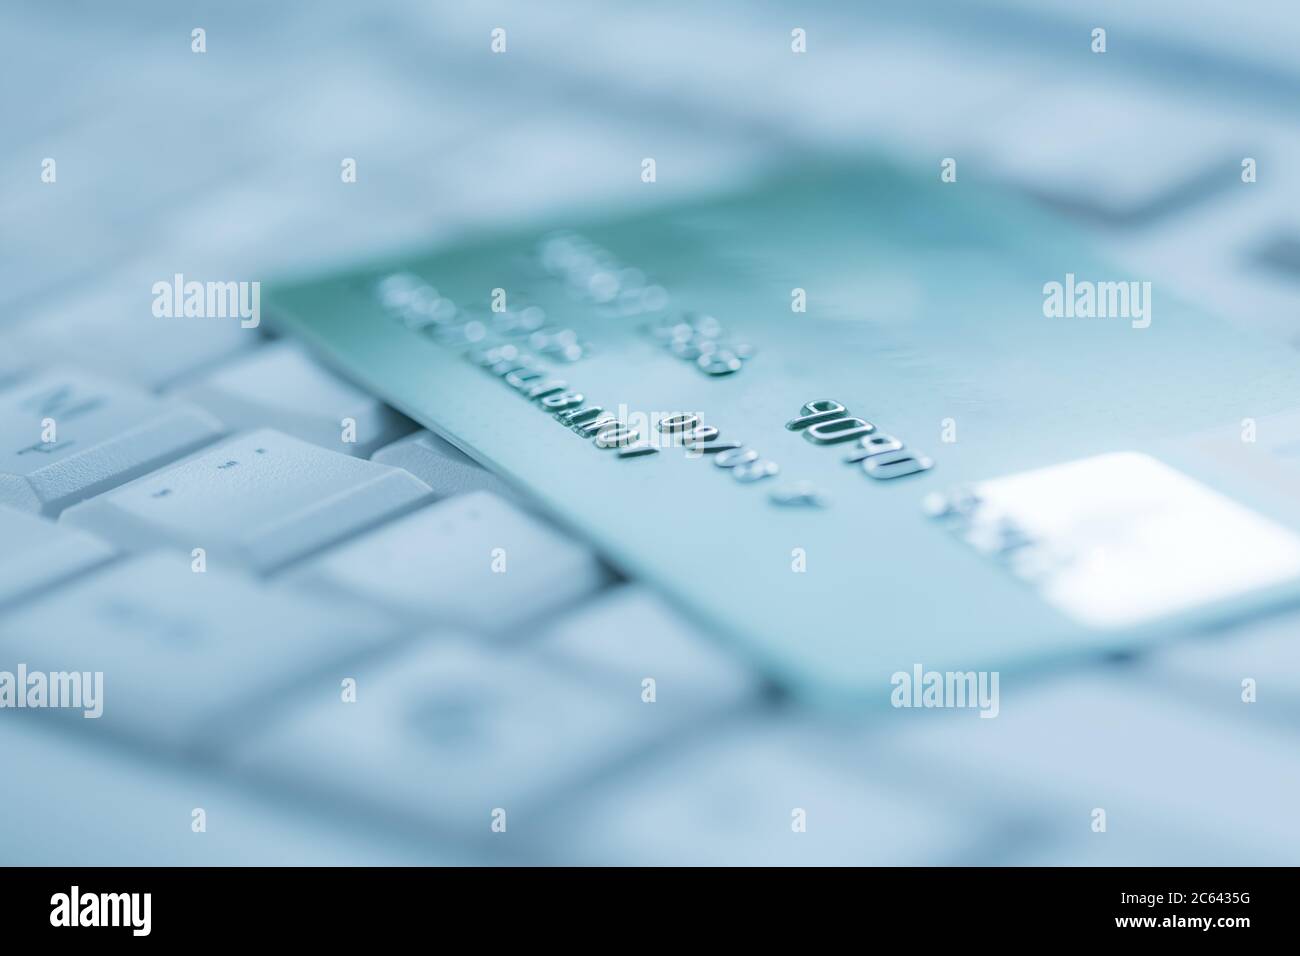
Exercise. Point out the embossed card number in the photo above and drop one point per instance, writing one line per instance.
(825, 421)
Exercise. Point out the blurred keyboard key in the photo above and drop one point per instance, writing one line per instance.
(36, 553)
(1158, 767)
(1147, 156)
(83, 804)
(630, 635)
(1210, 671)
(1039, 845)
(260, 500)
(100, 433)
(764, 794)
(473, 561)
(188, 658)
(446, 732)
(1280, 254)
(110, 330)
(13, 366)
(440, 465)
(280, 386)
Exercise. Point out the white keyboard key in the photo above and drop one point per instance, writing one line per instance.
(1209, 670)
(1148, 155)
(629, 635)
(112, 331)
(13, 366)
(105, 434)
(446, 732)
(1228, 256)
(69, 801)
(188, 659)
(440, 465)
(733, 800)
(1280, 253)
(262, 499)
(36, 553)
(473, 561)
(281, 387)
(1223, 789)
(1045, 845)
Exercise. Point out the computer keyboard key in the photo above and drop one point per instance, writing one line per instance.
(280, 386)
(446, 732)
(1212, 669)
(36, 553)
(188, 659)
(260, 500)
(68, 435)
(473, 561)
(1159, 767)
(762, 794)
(440, 465)
(628, 636)
(13, 366)
(1280, 254)
(1152, 156)
(82, 804)
(110, 330)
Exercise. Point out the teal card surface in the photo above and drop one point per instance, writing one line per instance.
(643, 378)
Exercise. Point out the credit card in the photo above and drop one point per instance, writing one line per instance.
(773, 407)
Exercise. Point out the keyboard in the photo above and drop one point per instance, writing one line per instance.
(553, 507)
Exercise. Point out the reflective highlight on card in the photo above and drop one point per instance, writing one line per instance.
(1120, 539)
